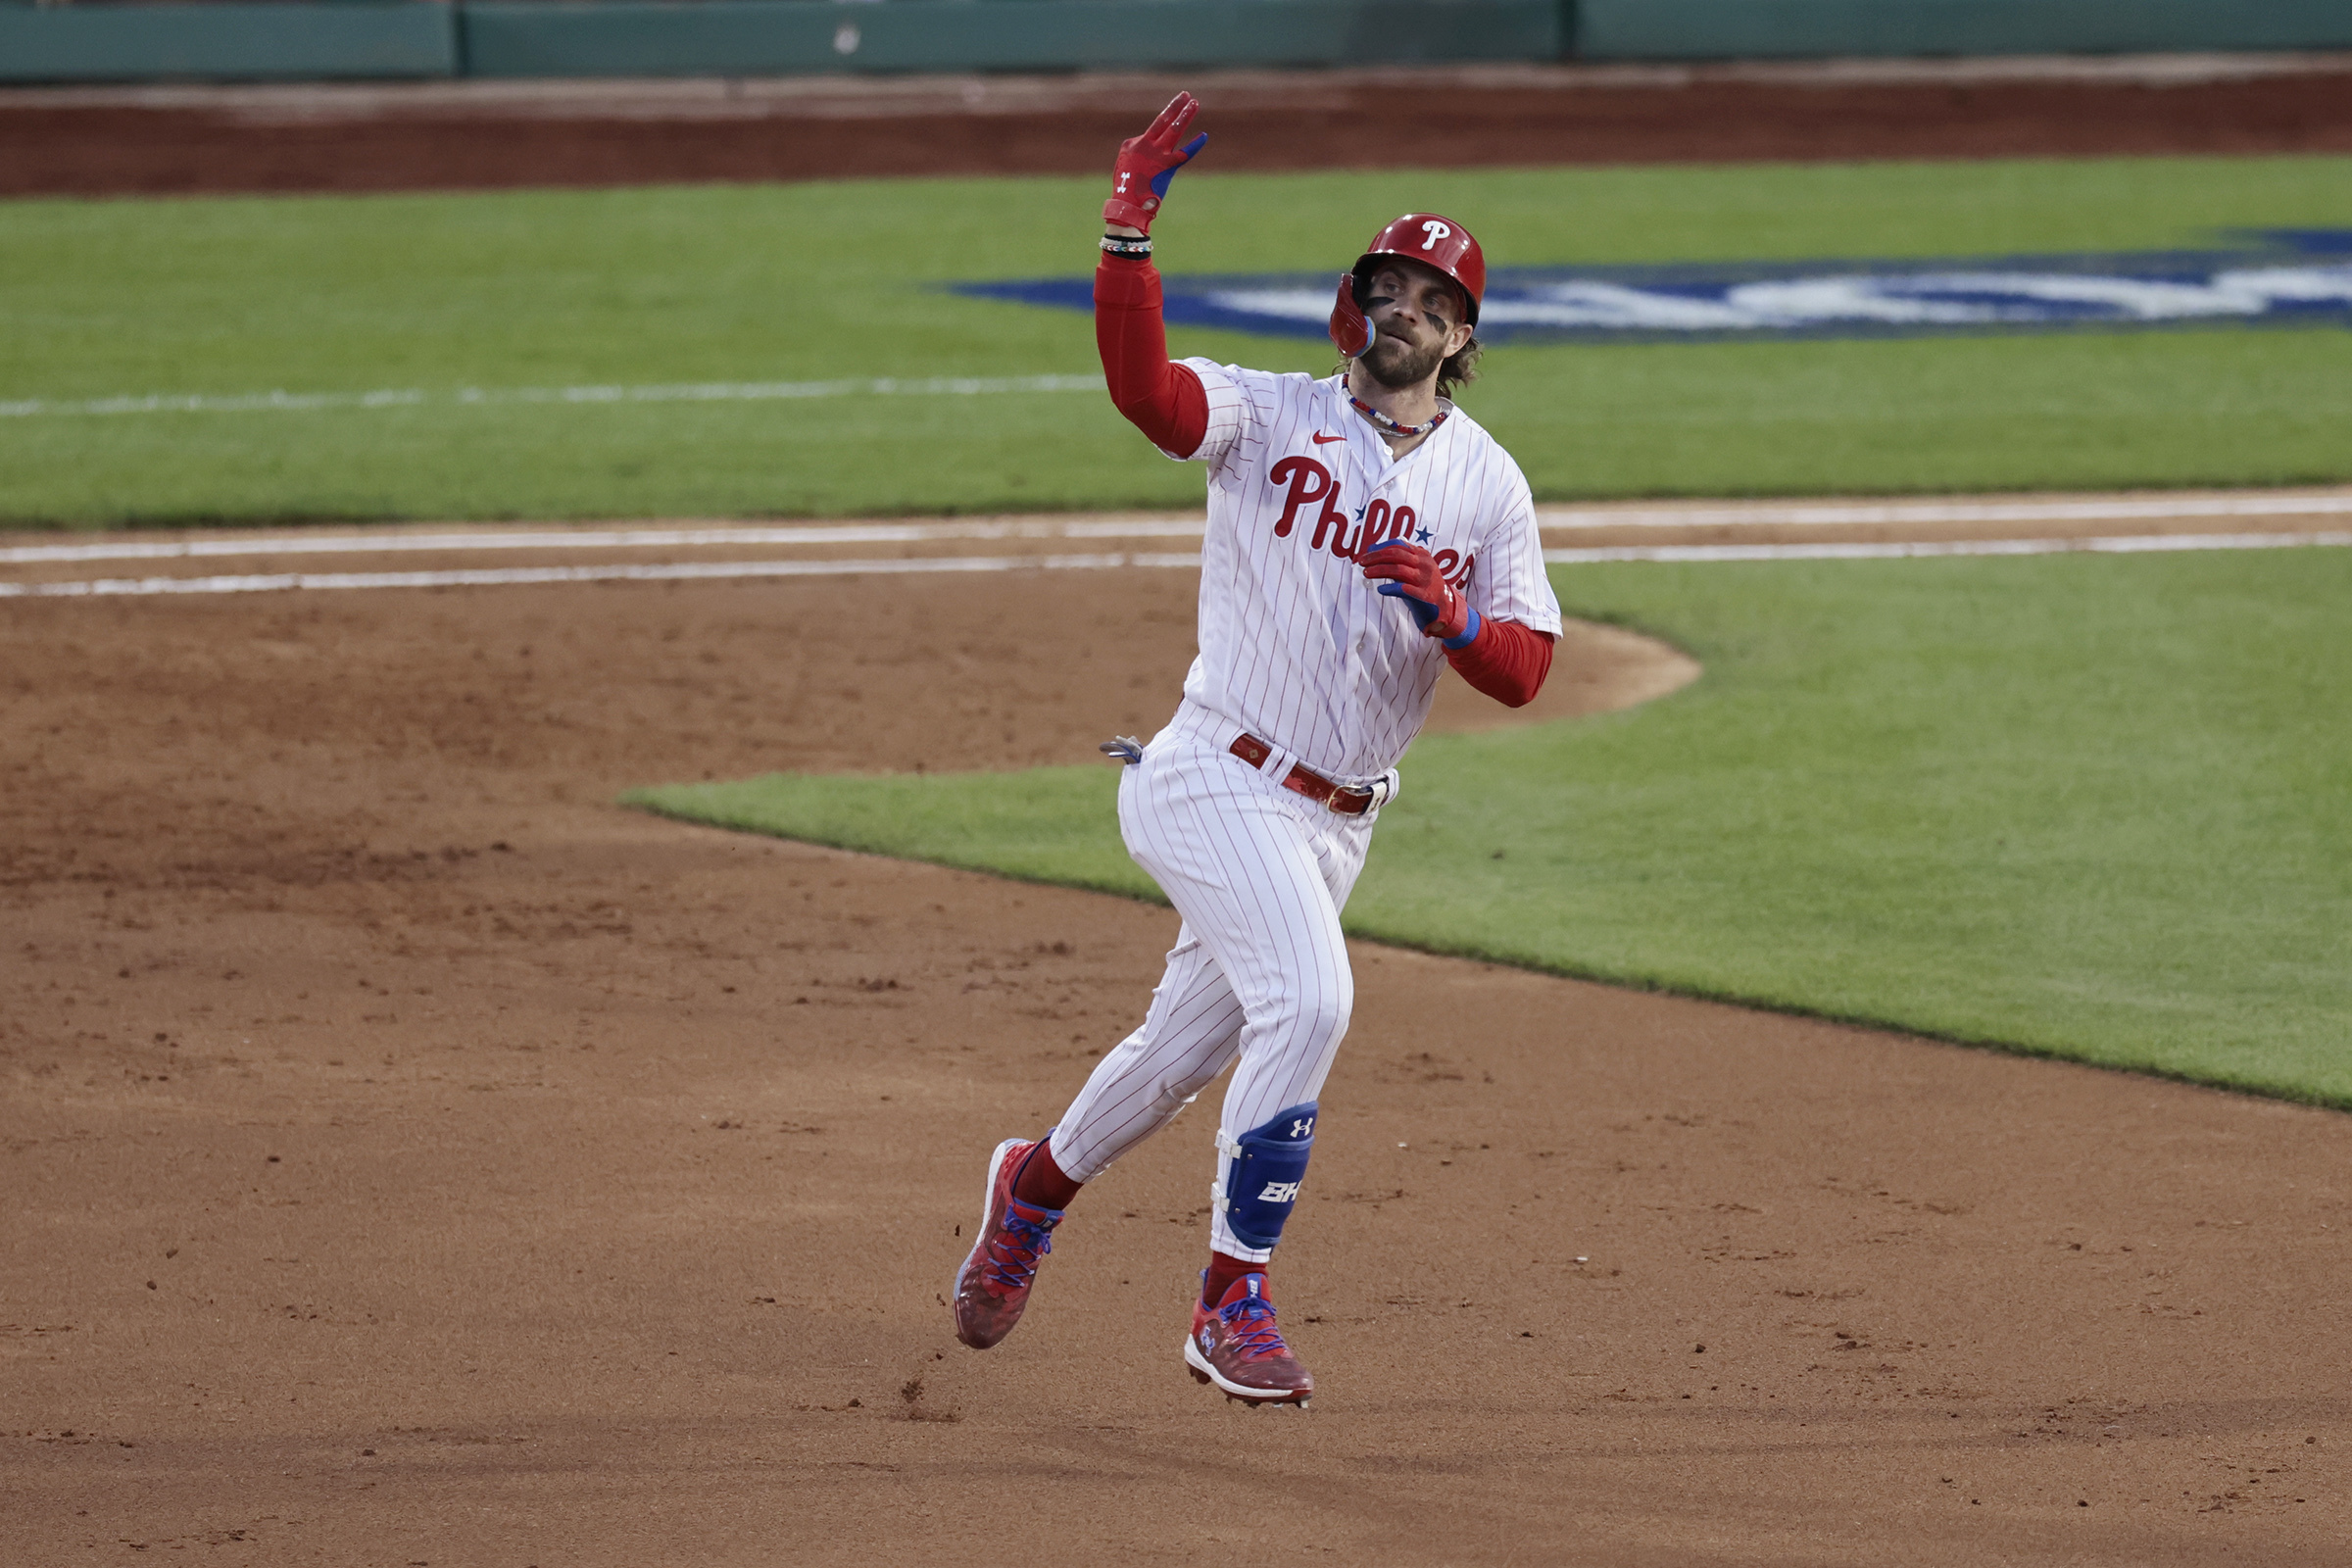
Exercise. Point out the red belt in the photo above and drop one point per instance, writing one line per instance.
(1304, 780)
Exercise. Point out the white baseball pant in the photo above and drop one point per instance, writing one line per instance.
(1260, 970)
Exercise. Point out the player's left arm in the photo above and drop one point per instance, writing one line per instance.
(1505, 661)
(1512, 592)
(1504, 648)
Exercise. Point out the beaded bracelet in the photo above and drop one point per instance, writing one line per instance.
(1121, 245)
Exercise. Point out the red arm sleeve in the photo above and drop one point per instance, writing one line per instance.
(1507, 662)
(1164, 401)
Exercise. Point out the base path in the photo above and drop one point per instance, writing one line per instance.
(483, 135)
(411, 1158)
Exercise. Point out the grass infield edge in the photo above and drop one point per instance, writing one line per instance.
(649, 798)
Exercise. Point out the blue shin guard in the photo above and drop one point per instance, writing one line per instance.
(1258, 1181)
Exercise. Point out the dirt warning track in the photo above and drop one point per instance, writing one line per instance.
(413, 1157)
(488, 134)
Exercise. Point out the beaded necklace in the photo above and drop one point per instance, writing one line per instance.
(1391, 425)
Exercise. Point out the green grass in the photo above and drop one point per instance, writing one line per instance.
(2097, 807)
(818, 281)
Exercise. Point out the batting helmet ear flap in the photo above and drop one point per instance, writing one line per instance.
(1351, 329)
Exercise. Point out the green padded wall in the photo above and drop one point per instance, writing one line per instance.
(743, 37)
(396, 38)
(1752, 29)
(235, 42)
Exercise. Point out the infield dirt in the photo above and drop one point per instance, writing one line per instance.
(413, 1158)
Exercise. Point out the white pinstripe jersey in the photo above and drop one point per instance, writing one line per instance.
(1296, 646)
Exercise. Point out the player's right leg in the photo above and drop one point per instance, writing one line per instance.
(1188, 1036)
(991, 1287)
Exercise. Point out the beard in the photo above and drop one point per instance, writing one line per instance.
(1396, 364)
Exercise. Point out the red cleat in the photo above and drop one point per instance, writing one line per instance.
(1236, 1345)
(993, 1286)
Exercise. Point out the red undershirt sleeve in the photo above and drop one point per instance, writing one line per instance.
(1164, 401)
(1507, 662)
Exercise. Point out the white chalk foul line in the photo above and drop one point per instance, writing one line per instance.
(502, 576)
(1759, 514)
(2135, 544)
(392, 544)
(474, 396)
(1782, 514)
(720, 570)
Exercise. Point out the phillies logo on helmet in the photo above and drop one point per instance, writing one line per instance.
(1434, 241)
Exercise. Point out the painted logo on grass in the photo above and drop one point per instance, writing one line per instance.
(2274, 277)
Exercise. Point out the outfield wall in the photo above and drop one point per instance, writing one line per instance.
(439, 38)
(258, 42)
(1764, 29)
(763, 37)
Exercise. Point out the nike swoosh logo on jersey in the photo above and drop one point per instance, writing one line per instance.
(1323, 440)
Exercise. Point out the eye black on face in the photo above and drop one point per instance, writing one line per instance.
(1427, 295)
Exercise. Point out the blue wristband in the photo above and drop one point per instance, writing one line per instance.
(1469, 634)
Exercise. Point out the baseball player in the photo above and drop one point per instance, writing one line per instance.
(1364, 534)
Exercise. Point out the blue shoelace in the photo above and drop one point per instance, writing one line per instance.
(1260, 1336)
(1026, 1242)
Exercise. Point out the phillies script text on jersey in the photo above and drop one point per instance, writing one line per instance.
(1308, 482)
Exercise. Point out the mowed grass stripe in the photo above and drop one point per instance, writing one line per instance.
(2089, 807)
(124, 404)
(835, 285)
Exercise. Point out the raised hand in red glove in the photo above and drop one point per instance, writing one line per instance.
(1410, 573)
(1139, 181)
(1350, 329)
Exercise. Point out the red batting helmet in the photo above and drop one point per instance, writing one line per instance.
(1434, 241)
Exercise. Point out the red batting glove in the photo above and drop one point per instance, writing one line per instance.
(1410, 573)
(1350, 329)
(1139, 181)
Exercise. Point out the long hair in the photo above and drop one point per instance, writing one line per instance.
(1460, 367)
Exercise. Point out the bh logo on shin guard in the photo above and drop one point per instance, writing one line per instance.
(1263, 1169)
